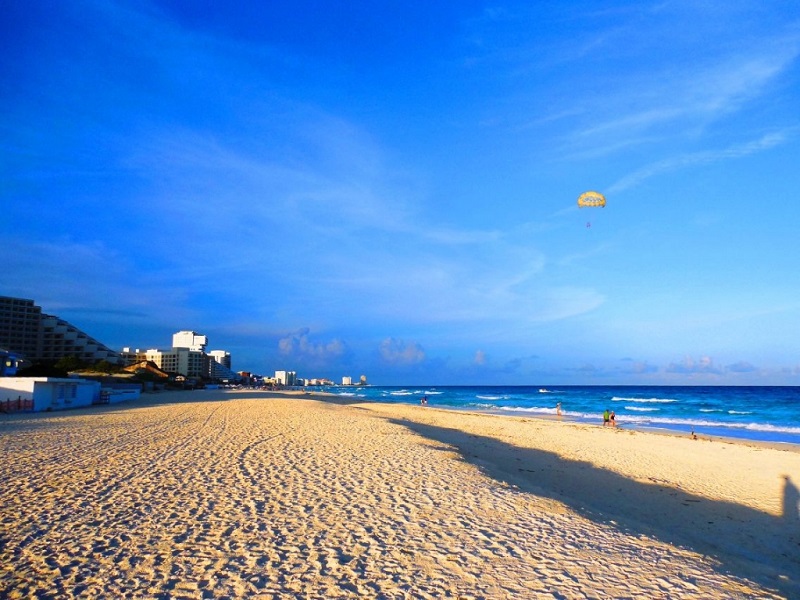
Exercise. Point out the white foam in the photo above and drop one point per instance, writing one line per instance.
(541, 410)
(655, 420)
(644, 400)
(704, 423)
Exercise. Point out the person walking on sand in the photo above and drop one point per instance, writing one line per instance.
(606, 417)
(613, 418)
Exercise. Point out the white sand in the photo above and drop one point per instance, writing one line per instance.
(211, 495)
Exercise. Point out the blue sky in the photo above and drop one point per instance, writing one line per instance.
(389, 188)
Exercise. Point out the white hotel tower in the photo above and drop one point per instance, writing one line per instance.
(187, 356)
(191, 340)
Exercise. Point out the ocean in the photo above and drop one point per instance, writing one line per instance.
(762, 413)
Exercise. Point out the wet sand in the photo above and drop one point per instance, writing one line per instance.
(214, 494)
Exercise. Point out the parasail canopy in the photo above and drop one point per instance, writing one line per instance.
(591, 199)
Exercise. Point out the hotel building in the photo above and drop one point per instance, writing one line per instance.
(180, 361)
(187, 357)
(39, 337)
(219, 366)
(287, 378)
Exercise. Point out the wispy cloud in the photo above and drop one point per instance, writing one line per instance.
(79, 274)
(763, 143)
(164, 168)
(625, 89)
(661, 105)
(345, 209)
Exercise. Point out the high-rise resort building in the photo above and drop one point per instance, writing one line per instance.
(180, 361)
(222, 357)
(219, 366)
(287, 378)
(39, 337)
(187, 357)
(191, 340)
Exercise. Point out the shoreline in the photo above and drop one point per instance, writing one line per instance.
(764, 430)
(268, 494)
(156, 397)
(655, 430)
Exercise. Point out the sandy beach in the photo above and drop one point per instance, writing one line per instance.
(214, 494)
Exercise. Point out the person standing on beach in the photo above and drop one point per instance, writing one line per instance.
(613, 418)
(558, 408)
(606, 417)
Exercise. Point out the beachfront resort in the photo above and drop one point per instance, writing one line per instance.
(29, 337)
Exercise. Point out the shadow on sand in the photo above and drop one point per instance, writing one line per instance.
(743, 541)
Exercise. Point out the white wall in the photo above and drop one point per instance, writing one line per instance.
(51, 393)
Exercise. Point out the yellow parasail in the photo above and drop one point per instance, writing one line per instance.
(589, 199)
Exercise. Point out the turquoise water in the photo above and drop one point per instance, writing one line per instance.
(755, 413)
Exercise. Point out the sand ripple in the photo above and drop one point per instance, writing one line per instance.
(285, 498)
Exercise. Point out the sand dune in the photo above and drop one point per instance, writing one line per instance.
(211, 495)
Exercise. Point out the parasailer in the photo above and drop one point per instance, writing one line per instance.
(591, 199)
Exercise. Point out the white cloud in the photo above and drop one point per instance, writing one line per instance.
(398, 352)
(741, 367)
(299, 345)
(689, 366)
(637, 367)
